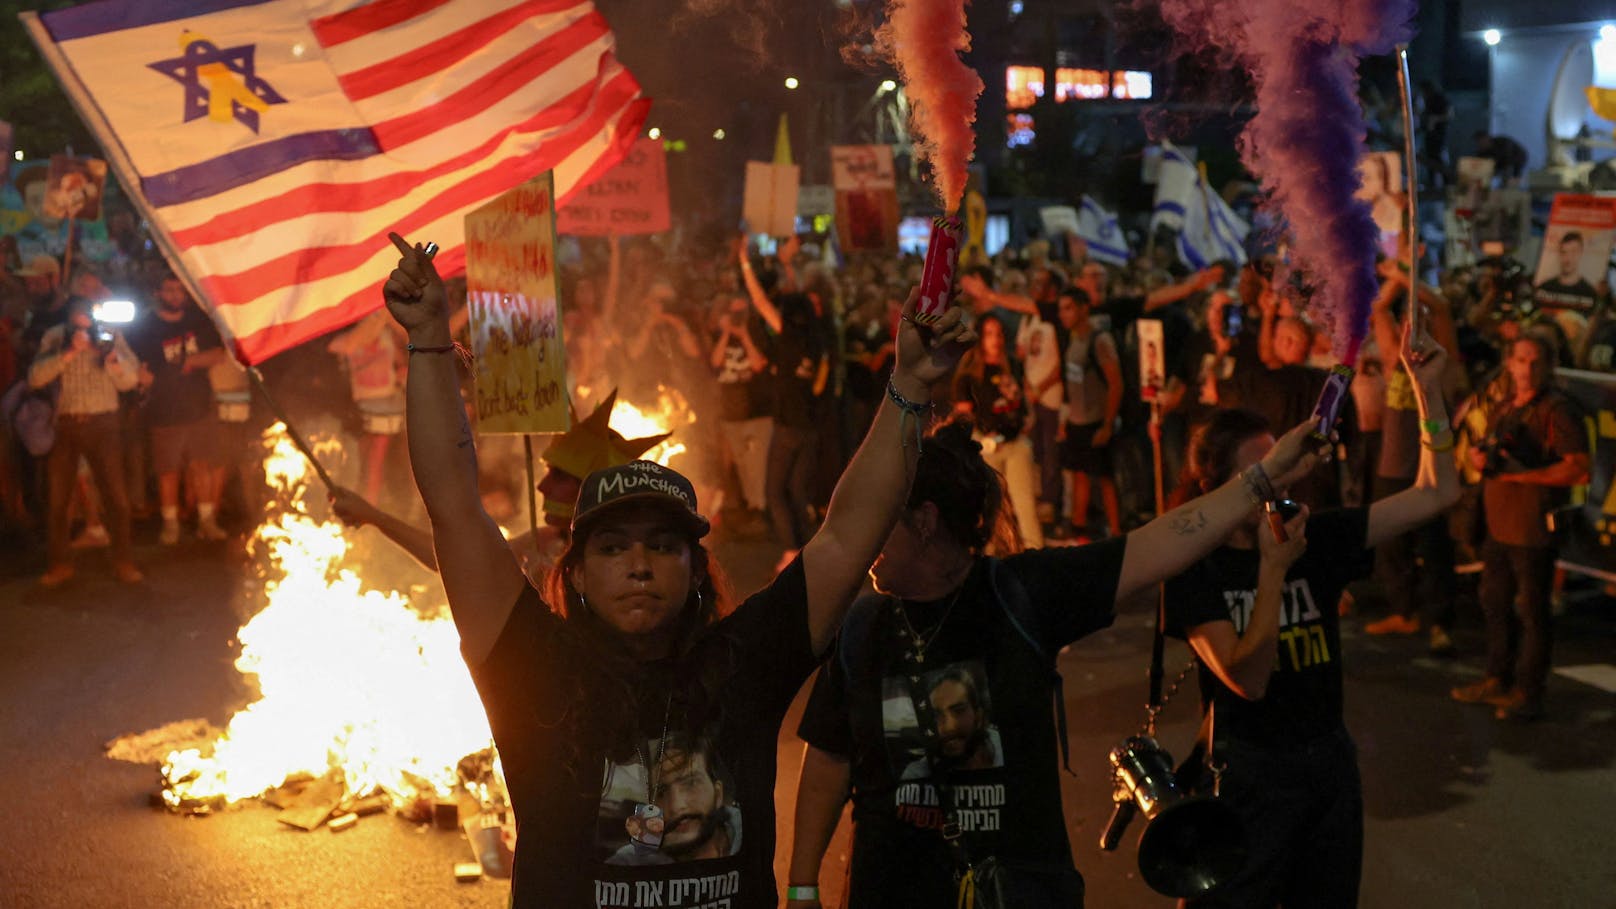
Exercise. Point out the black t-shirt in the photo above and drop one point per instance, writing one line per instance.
(1303, 700)
(175, 397)
(861, 381)
(1539, 434)
(987, 674)
(1576, 296)
(794, 358)
(575, 807)
(997, 406)
(737, 383)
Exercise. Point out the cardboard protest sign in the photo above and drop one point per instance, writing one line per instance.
(74, 188)
(629, 199)
(1576, 253)
(24, 215)
(769, 205)
(816, 200)
(866, 197)
(1058, 220)
(520, 366)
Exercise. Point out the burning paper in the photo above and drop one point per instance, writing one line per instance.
(355, 683)
(1308, 134)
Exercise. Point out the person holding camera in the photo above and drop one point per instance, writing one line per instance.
(90, 365)
(1534, 451)
(934, 711)
(1260, 613)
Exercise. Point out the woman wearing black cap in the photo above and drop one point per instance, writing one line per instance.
(631, 698)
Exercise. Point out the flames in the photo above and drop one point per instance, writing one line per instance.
(358, 681)
(672, 413)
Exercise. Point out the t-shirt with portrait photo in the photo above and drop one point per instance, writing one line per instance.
(983, 693)
(676, 817)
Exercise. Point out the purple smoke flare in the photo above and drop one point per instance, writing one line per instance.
(1308, 134)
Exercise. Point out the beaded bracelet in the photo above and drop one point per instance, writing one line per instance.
(910, 409)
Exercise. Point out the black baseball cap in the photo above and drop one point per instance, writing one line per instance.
(637, 482)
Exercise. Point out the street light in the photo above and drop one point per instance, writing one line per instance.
(654, 133)
(17, 154)
(1492, 36)
(718, 134)
(792, 83)
(887, 85)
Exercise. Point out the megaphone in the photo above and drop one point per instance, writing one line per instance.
(1191, 844)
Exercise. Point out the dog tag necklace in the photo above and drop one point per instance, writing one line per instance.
(648, 809)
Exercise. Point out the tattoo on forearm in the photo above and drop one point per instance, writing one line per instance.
(1188, 522)
(465, 440)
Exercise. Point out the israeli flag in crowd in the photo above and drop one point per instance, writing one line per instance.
(272, 144)
(1100, 230)
(1208, 229)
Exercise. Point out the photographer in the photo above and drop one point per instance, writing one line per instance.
(92, 366)
(1534, 450)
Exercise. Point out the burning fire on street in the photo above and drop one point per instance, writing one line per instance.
(363, 702)
(362, 685)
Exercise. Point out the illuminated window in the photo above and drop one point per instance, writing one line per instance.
(1081, 84)
(1023, 86)
(1018, 130)
(1131, 85)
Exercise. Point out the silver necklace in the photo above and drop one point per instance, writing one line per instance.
(647, 810)
(916, 640)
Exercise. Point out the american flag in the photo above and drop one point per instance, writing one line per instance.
(272, 145)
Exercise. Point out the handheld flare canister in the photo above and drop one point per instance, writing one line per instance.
(1325, 414)
(937, 278)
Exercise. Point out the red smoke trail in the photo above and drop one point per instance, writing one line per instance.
(1307, 137)
(924, 40)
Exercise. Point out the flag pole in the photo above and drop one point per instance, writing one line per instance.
(123, 167)
(1411, 223)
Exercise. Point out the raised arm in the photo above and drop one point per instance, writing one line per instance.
(822, 791)
(355, 511)
(1172, 293)
(479, 573)
(1436, 488)
(1183, 536)
(871, 492)
(1245, 661)
(754, 290)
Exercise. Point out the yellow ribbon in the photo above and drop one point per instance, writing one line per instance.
(224, 86)
(967, 891)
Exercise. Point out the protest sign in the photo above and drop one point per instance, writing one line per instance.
(866, 197)
(816, 200)
(769, 205)
(520, 364)
(24, 215)
(629, 199)
(74, 188)
(1059, 219)
(1576, 253)
(1587, 537)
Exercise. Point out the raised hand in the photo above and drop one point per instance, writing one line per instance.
(930, 353)
(1295, 455)
(414, 292)
(1283, 554)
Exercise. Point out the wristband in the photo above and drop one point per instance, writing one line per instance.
(443, 348)
(1440, 449)
(1433, 426)
(806, 894)
(910, 409)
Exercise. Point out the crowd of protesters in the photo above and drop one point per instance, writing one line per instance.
(778, 357)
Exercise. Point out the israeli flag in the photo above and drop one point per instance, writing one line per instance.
(1100, 230)
(1208, 229)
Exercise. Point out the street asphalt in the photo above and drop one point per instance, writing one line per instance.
(1462, 811)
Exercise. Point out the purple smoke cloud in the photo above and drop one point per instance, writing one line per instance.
(1308, 134)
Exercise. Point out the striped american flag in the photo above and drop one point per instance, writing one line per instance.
(272, 145)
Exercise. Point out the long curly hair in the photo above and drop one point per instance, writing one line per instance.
(1212, 450)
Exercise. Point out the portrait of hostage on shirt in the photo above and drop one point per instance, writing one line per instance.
(691, 815)
(957, 709)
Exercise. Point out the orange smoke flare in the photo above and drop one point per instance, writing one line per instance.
(924, 40)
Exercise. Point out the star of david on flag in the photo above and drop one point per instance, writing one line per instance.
(272, 144)
(219, 83)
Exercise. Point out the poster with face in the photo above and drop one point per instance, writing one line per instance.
(74, 188)
(951, 706)
(25, 215)
(1381, 186)
(1576, 253)
(680, 808)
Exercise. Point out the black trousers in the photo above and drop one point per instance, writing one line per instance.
(792, 453)
(1412, 587)
(1515, 584)
(1302, 808)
